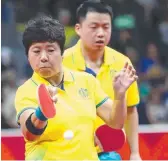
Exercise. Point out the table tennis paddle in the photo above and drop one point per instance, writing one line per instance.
(46, 103)
(109, 138)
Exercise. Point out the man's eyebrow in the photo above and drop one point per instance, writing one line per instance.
(96, 23)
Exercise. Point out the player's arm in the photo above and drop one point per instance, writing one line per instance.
(30, 118)
(131, 129)
(114, 112)
(31, 126)
(131, 123)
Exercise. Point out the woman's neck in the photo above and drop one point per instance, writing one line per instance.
(56, 79)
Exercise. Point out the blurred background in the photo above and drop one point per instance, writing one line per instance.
(140, 31)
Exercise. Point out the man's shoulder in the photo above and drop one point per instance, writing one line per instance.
(68, 58)
(116, 54)
(68, 52)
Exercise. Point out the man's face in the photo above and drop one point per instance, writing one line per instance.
(45, 58)
(95, 30)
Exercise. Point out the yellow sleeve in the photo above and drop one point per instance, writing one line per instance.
(133, 94)
(24, 102)
(99, 95)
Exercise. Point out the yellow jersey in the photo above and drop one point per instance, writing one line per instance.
(113, 62)
(75, 110)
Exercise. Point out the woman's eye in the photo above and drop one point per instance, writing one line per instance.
(37, 51)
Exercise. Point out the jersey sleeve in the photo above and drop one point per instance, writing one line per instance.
(23, 102)
(133, 94)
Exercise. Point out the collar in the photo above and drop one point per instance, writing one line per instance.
(68, 77)
(80, 61)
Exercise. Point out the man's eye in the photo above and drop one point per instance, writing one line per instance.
(50, 50)
(106, 27)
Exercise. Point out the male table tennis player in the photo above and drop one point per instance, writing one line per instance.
(91, 55)
(77, 99)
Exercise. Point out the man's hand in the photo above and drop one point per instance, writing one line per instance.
(123, 80)
(135, 156)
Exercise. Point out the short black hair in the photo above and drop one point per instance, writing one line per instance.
(92, 6)
(43, 29)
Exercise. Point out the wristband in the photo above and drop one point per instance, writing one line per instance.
(32, 129)
(40, 115)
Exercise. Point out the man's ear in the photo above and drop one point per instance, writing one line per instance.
(78, 29)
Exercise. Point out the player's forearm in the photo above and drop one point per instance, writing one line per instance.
(38, 125)
(32, 126)
(131, 129)
(119, 112)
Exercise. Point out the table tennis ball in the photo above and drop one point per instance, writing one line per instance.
(68, 134)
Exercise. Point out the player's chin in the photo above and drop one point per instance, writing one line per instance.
(45, 73)
(99, 46)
